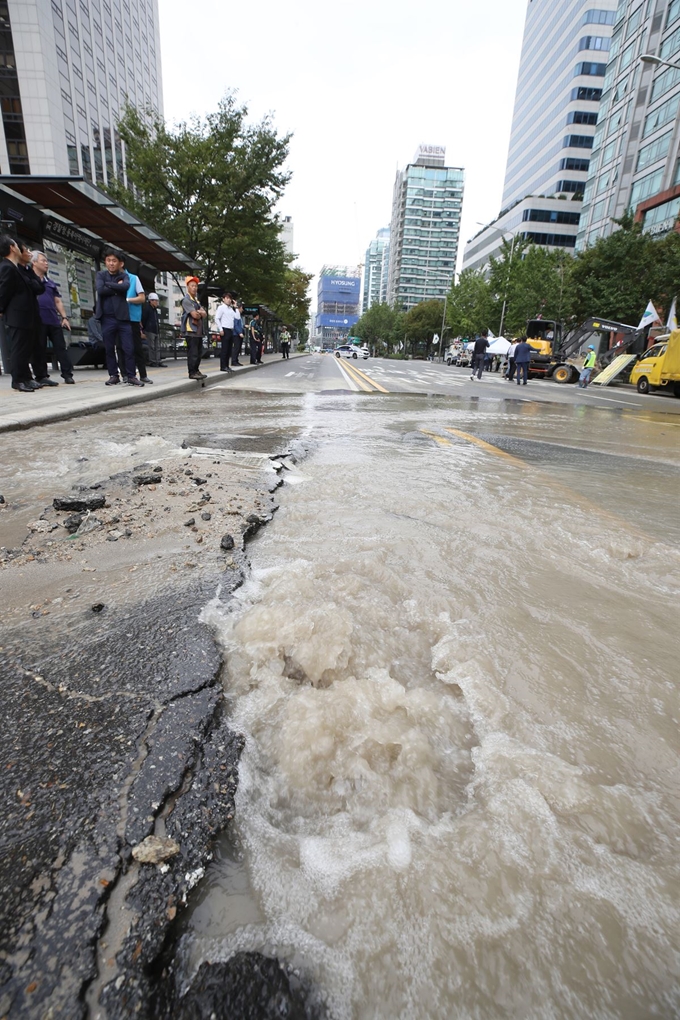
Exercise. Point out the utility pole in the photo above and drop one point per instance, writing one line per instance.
(441, 340)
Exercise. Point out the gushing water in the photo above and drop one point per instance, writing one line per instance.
(456, 673)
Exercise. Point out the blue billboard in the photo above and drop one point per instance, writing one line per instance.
(343, 289)
(336, 321)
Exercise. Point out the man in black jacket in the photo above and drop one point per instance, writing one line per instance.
(18, 307)
(481, 344)
(39, 352)
(112, 310)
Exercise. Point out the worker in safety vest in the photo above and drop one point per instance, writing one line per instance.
(588, 366)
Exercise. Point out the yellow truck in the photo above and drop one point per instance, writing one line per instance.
(659, 367)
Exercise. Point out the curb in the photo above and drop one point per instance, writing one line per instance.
(137, 396)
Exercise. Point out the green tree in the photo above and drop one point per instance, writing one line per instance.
(210, 186)
(420, 324)
(378, 327)
(292, 302)
(472, 305)
(535, 282)
(619, 274)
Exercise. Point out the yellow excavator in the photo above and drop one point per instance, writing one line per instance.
(554, 353)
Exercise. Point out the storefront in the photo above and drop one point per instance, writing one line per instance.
(72, 221)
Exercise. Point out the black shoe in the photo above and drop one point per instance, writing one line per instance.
(237, 363)
(134, 381)
(23, 387)
(112, 380)
(145, 379)
(46, 382)
(69, 379)
(196, 376)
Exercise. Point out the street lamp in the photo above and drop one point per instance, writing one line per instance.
(507, 277)
(649, 58)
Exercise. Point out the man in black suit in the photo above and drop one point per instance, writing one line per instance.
(113, 312)
(38, 358)
(18, 306)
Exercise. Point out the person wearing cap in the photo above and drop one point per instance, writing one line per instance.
(588, 366)
(151, 330)
(193, 327)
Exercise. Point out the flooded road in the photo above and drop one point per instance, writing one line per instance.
(455, 665)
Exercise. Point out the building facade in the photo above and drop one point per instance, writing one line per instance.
(425, 228)
(67, 68)
(635, 163)
(557, 101)
(338, 303)
(376, 268)
(287, 234)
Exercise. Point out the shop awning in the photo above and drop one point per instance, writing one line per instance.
(72, 202)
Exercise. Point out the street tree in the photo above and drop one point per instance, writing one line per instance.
(210, 185)
(534, 281)
(291, 302)
(378, 327)
(421, 323)
(472, 305)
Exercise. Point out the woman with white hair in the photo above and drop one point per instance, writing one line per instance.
(53, 318)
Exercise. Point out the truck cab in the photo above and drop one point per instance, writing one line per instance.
(659, 367)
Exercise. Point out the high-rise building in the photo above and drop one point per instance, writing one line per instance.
(425, 227)
(338, 302)
(376, 267)
(287, 234)
(559, 88)
(635, 163)
(68, 68)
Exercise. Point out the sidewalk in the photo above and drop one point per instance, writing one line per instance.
(90, 395)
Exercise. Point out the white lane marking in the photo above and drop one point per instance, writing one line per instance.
(288, 374)
(346, 376)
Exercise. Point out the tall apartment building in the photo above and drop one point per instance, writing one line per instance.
(425, 228)
(67, 68)
(338, 302)
(635, 163)
(376, 267)
(559, 88)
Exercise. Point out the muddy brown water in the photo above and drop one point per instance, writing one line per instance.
(456, 668)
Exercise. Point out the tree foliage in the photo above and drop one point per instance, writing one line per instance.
(292, 301)
(210, 185)
(380, 327)
(614, 278)
(420, 325)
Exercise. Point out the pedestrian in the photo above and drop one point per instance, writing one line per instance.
(523, 355)
(239, 330)
(53, 316)
(136, 299)
(151, 330)
(193, 327)
(479, 354)
(224, 320)
(113, 311)
(255, 334)
(588, 366)
(16, 306)
(510, 369)
(94, 335)
(39, 359)
(285, 343)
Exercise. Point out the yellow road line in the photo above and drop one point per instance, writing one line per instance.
(571, 494)
(437, 438)
(348, 375)
(486, 446)
(362, 375)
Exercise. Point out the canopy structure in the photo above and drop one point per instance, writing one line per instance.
(75, 213)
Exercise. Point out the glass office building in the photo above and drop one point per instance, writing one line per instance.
(636, 160)
(376, 267)
(425, 228)
(67, 67)
(559, 88)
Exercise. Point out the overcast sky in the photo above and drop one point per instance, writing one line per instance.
(359, 83)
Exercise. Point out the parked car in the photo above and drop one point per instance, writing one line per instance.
(351, 351)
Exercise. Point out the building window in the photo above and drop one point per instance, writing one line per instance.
(662, 115)
(598, 18)
(594, 70)
(12, 113)
(673, 12)
(550, 216)
(580, 117)
(634, 20)
(571, 163)
(643, 189)
(582, 93)
(577, 142)
(657, 149)
(574, 187)
(594, 42)
(556, 240)
(671, 45)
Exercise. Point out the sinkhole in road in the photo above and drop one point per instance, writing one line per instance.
(454, 671)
